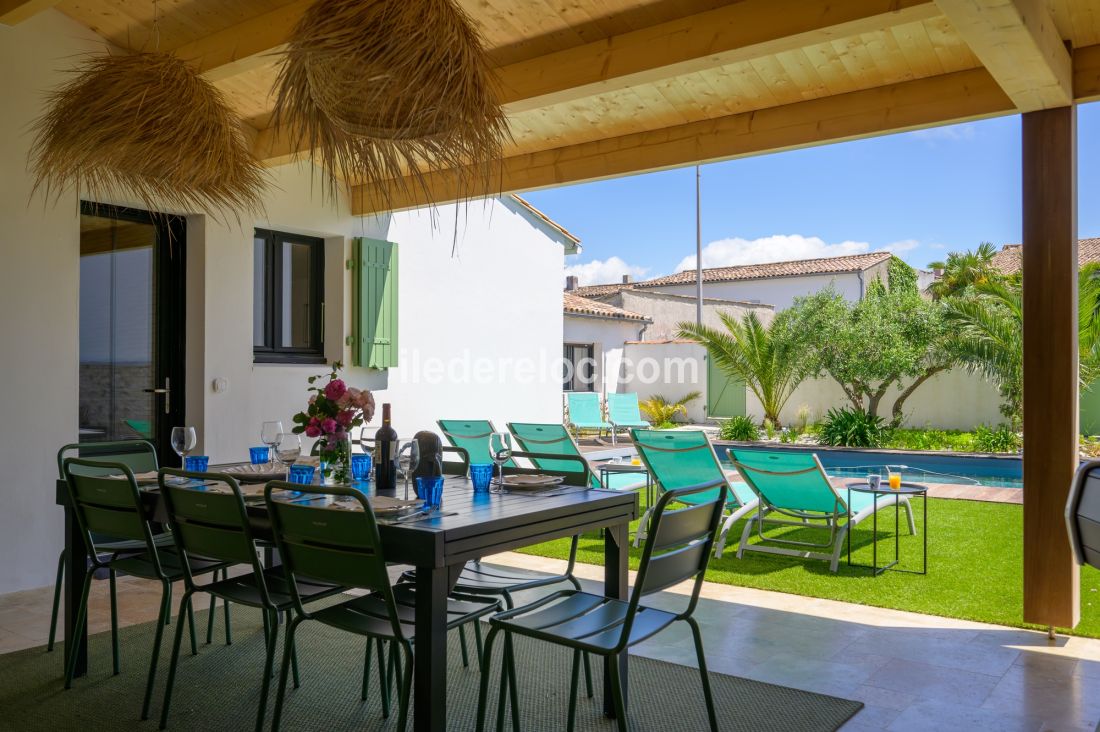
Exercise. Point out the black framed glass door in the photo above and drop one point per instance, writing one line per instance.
(132, 278)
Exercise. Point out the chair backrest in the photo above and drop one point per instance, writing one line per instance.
(788, 481)
(678, 458)
(552, 439)
(106, 502)
(139, 455)
(208, 522)
(622, 408)
(584, 407)
(339, 546)
(460, 466)
(677, 547)
(471, 435)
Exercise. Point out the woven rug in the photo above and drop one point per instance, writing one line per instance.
(219, 689)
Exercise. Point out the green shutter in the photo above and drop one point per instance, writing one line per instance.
(375, 283)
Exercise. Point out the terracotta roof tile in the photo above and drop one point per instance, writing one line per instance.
(827, 265)
(603, 290)
(583, 306)
(1008, 260)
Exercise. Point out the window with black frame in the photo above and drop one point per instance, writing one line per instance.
(579, 366)
(288, 278)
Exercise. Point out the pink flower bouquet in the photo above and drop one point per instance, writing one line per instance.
(334, 408)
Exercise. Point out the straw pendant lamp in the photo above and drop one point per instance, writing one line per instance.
(145, 126)
(382, 92)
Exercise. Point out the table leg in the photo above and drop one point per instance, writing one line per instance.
(616, 554)
(430, 672)
(76, 569)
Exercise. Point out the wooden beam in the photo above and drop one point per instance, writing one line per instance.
(1051, 576)
(1086, 74)
(243, 46)
(737, 32)
(1017, 41)
(13, 12)
(955, 97)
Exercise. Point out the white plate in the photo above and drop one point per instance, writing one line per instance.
(531, 482)
(248, 473)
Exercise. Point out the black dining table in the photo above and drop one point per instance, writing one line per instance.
(468, 527)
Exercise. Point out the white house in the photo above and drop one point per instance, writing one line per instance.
(594, 338)
(956, 399)
(772, 283)
(475, 300)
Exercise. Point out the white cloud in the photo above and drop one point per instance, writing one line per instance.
(900, 247)
(947, 133)
(604, 271)
(775, 248)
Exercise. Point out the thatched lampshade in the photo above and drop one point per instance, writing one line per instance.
(377, 89)
(146, 126)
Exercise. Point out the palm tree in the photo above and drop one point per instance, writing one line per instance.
(662, 412)
(766, 358)
(965, 270)
(989, 333)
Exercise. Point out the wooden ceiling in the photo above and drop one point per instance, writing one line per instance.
(599, 88)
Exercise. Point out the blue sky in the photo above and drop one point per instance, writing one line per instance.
(920, 194)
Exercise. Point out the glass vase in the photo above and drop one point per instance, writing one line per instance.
(335, 456)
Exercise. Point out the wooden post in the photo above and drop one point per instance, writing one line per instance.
(1051, 577)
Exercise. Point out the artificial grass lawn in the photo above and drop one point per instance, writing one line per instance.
(975, 565)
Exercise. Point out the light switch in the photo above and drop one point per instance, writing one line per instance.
(220, 384)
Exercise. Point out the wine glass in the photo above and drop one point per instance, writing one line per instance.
(184, 440)
(269, 435)
(500, 450)
(288, 448)
(406, 459)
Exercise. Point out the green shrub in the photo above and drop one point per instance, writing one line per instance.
(930, 439)
(996, 439)
(852, 428)
(769, 428)
(741, 429)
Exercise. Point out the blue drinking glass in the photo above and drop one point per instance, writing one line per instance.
(259, 455)
(301, 474)
(360, 466)
(431, 490)
(196, 463)
(481, 474)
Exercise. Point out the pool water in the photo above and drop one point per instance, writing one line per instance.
(995, 472)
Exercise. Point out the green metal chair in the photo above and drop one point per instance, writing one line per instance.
(344, 546)
(678, 458)
(585, 412)
(677, 549)
(624, 413)
(794, 485)
(472, 436)
(106, 501)
(141, 456)
(478, 580)
(214, 524)
(554, 438)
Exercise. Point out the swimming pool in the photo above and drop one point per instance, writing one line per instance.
(918, 467)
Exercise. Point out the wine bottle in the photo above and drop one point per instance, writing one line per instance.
(385, 445)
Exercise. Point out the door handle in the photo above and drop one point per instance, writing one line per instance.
(166, 391)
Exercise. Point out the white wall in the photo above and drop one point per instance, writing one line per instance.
(481, 281)
(777, 291)
(496, 299)
(668, 311)
(955, 400)
(670, 369)
(39, 302)
(608, 337)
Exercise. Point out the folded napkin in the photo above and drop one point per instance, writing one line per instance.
(309, 460)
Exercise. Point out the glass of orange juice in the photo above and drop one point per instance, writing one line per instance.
(895, 481)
